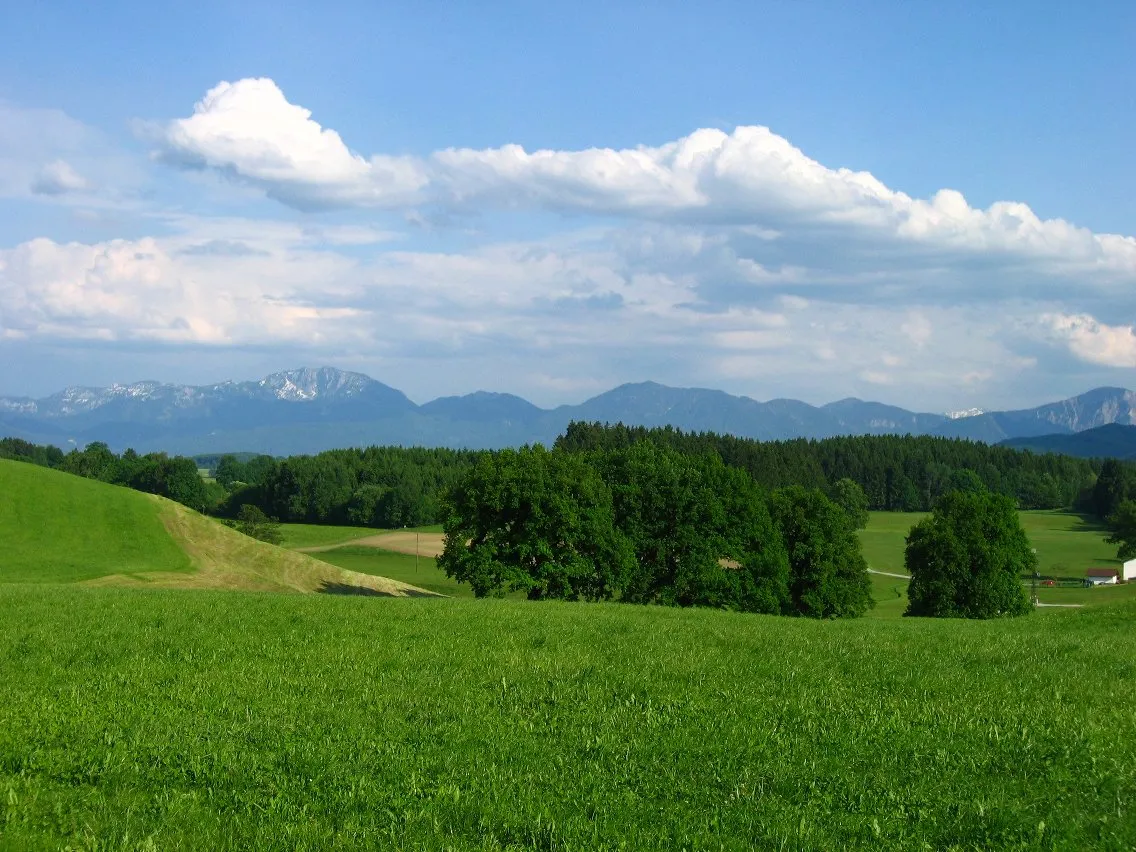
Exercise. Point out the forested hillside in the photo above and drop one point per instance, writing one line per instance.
(897, 473)
(1111, 441)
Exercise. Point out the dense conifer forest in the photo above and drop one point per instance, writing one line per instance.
(897, 473)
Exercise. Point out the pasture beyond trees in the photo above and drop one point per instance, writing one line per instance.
(1067, 544)
(212, 721)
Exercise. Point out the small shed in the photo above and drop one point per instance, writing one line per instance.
(1128, 570)
(1101, 577)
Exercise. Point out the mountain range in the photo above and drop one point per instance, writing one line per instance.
(312, 409)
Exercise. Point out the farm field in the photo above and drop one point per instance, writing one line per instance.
(298, 536)
(166, 719)
(1067, 544)
(382, 553)
(424, 573)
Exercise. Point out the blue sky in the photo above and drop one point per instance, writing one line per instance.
(926, 204)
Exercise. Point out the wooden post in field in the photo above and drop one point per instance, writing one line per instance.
(416, 553)
(1036, 575)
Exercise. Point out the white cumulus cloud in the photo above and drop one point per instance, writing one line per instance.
(748, 177)
(1094, 341)
(249, 129)
(148, 290)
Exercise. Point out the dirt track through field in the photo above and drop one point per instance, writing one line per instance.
(889, 574)
(427, 543)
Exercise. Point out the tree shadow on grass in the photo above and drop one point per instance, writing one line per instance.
(329, 588)
(1089, 523)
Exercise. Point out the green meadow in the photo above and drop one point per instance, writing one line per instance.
(209, 714)
(1067, 545)
(59, 528)
(141, 719)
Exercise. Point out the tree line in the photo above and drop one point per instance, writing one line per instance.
(378, 486)
(175, 477)
(896, 472)
(383, 487)
(647, 524)
(395, 486)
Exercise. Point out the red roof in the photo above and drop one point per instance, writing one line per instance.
(1102, 572)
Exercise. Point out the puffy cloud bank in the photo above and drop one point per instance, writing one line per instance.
(149, 290)
(751, 176)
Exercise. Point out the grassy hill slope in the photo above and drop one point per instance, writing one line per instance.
(56, 527)
(59, 528)
(208, 721)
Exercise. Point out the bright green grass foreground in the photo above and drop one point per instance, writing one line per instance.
(55, 527)
(198, 720)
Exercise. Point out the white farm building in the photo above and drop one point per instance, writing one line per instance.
(1101, 577)
(1128, 571)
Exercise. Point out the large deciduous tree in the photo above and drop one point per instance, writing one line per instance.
(534, 521)
(700, 531)
(828, 574)
(1123, 524)
(968, 558)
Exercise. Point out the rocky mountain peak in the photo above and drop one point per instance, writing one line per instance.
(309, 383)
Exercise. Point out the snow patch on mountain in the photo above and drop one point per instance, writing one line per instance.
(969, 412)
(19, 406)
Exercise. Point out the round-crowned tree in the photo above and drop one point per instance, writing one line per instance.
(968, 559)
(534, 521)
